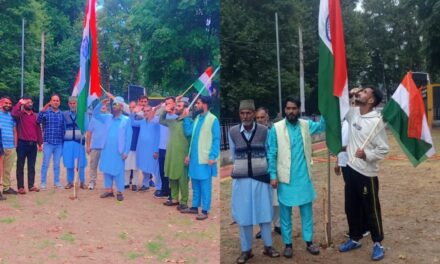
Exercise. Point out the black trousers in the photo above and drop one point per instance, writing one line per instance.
(165, 181)
(362, 205)
(26, 149)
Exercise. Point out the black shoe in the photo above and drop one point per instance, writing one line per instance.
(126, 186)
(69, 186)
(144, 188)
(10, 191)
(170, 203)
(134, 188)
(271, 252)
(258, 235)
(190, 211)
(119, 197)
(277, 230)
(288, 252)
(181, 207)
(107, 194)
(244, 257)
(314, 250)
(2, 198)
(160, 195)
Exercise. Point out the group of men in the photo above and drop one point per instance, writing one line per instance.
(272, 173)
(123, 140)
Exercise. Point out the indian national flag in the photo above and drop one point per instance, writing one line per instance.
(405, 114)
(204, 82)
(332, 83)
(87, 85)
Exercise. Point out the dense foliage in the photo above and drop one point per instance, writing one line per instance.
(384, 39)
(163, 45)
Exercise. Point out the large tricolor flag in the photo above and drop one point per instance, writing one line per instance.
(88, 83)
(406, 117)
(332, 82)
(203, 83)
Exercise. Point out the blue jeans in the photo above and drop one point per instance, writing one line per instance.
(48, 151)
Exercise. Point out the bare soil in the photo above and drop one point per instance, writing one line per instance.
(48, 227)
(410, 203)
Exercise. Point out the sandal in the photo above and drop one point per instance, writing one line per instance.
(244, 257)
(271, 252)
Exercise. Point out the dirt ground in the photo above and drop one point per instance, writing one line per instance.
(410, 203)
(48, 227)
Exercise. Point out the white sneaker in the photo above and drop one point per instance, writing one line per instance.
(91, 186)
(59, 186)
(43, 187)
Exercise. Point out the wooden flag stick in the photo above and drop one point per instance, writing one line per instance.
(187, 89)
(370, 136)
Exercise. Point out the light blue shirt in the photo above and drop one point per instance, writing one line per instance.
(7, 125)
(163, 138)
(98, 133)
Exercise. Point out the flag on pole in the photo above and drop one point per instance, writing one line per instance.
(406, 117)
(88, 80)
(332, 82)
(75, 86)
(203, 83)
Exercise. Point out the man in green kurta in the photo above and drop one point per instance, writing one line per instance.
(177, 149)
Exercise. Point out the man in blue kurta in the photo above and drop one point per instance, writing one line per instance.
(74, 153)
(147, 148)
(202, 158)
(251, 191)
(290, 155)
(116, 146)
(94, 145)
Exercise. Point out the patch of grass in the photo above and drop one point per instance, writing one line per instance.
(68, 237)
(132, 255)
(13, 202)
(62, 215)
(158, 248)
(7, 220)
(45, 244)
(40, 201)
(123, 236)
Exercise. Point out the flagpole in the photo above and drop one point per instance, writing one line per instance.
(329, 213)
(204, 86)
(278, 62)
(187, 89)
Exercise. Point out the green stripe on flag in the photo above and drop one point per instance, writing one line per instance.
(83, 96)
(328, 103)
(397, 120)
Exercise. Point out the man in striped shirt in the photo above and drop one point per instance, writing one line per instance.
(9, 139)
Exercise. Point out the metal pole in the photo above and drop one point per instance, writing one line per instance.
(40, 105)
(278, 63)
(22, 55)
(301, 71)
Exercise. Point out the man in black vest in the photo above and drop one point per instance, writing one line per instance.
(74, 152)
(251, 191)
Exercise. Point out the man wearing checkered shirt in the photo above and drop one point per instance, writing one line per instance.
(52, 121)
